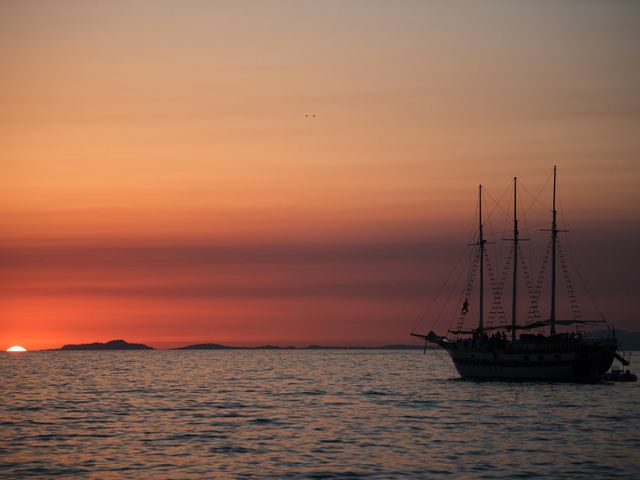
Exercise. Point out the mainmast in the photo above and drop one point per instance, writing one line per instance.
(554, 240)
(515, 261)
(481, 243)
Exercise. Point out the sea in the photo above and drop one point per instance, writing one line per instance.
(302, 414)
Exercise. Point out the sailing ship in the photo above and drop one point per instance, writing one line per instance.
(508, 351)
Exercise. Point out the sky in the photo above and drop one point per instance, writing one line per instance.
(177, 172)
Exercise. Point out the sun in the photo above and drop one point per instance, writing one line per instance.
(16, 348)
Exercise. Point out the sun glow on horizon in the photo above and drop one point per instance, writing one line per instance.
(16, 348)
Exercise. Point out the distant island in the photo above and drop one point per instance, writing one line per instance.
(111, 345)
(124, 345)
(358, 347)
(217, 346)
(627, 341)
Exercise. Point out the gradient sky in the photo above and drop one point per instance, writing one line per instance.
(163, 178)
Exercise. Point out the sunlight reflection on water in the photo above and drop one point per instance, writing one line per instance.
(301, 414)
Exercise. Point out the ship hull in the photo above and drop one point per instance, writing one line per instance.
(576, 363)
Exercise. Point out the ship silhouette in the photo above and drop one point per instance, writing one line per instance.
(509, 351)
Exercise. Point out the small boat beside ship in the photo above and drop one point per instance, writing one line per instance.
(617, 374)
(509, 351)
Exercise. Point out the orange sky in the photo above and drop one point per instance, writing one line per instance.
(163, 179)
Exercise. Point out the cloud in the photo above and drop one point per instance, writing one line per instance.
(122, 254)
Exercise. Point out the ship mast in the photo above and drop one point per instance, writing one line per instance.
(481, 243)
(515, 261)
(554, 240)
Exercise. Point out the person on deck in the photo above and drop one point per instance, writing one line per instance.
(465, 307)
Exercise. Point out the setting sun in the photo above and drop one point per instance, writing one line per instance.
(16, 348)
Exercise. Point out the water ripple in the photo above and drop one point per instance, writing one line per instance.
(302, 415)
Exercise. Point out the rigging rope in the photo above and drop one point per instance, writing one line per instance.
(534, 312)
(533, 309)
(536, 197)
(497, 308)
(497, 204)
(575, 309)
(439, 292)
(469, 288)
(586, 288)
(497, 282)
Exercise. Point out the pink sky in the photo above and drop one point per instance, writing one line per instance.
(163, 178)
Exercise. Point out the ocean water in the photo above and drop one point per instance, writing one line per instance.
(302, 414)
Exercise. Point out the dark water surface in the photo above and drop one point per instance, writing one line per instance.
(302, 414)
